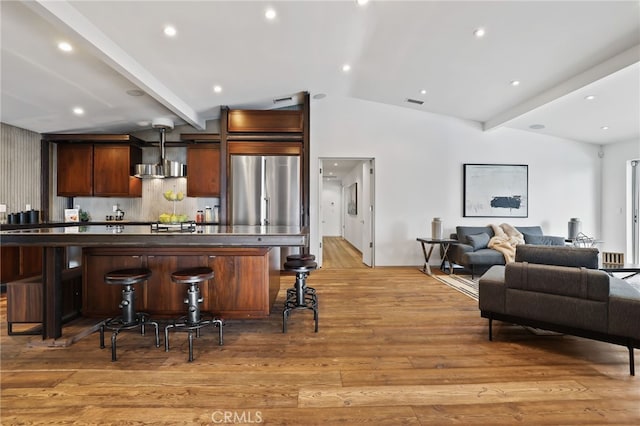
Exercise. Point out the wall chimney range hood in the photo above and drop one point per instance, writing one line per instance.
(164, 168)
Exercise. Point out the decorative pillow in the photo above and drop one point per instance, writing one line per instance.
(478, 241)
(543, 240)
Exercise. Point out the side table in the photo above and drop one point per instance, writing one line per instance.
(444, 249)
(629, 268)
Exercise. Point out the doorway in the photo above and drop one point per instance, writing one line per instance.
(347, 207)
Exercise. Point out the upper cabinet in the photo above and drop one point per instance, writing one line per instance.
(100, 170)
(203, 162)
(265, 121)
(113, 171)
(75, 170)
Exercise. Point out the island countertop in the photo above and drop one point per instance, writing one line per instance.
(146, 235)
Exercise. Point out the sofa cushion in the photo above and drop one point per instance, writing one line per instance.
(531, 230)
(573, 297)
(479, 241)
(586, 257)
(543, 240)
(464, 231)
(484, 256)
(581, 283)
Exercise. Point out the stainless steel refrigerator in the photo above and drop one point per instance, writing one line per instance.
(266, 190)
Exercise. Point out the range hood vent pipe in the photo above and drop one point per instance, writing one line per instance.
(165, 168)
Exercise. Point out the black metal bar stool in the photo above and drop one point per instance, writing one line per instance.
(129, 318)
(300, 296)
(193, 321)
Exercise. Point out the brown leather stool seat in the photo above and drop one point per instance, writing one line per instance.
(193, 320)
(300, 296)
(129, 318)
(301, 256)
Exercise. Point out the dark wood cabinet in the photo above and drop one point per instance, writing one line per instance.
(17, 263)
(234, 293)
(100, 299)
(265, 121)
(164, 296)
(113, 171)
(203, 167)
(245, 284)
(75, 170)
(102, 170)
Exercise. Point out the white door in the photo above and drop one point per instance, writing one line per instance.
(368, 213)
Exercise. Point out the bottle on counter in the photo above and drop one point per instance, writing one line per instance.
(216, 214)
(199, 216)
(208, 214)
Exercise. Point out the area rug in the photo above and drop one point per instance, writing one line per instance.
(461, 283)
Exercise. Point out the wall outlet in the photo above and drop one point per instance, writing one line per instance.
(115, 207)
(28, 207)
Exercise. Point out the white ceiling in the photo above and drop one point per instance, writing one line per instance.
(560, 51)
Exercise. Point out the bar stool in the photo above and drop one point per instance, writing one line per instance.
(300, 296)
(129, 318)
(193, 321)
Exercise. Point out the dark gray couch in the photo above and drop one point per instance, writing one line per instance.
(472, 252)
(556, 288)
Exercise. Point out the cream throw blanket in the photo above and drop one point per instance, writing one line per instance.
(505, 240)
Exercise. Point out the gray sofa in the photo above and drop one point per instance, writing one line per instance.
(559, 289)
(471, 250)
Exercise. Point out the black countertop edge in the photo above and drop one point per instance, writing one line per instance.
(11, 227)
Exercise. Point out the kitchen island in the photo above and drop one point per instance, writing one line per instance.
(245, 260)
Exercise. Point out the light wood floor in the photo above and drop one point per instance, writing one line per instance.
(394, 347)
(338, 253)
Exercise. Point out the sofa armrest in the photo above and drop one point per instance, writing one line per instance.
(456, 252)
(491, 290)
(624, 309)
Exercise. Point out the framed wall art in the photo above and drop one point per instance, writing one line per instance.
(496, 190)
(352, 203)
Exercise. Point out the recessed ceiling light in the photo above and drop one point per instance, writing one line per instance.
(143, 123)
(64, 46)
(590, 97)
(515, 83)
(335, 164)
(362, 2)
(346, 68)
(270, 14)
(170, 31)
(479, 32)
(605, 127)
(78, 111)
(423, 92)
(217, 89)
(536, 126)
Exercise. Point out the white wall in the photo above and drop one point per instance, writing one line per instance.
(419, 158)
(616, 231)
(353, 226)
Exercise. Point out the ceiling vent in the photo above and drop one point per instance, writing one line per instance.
(414, 101)
(288, 98)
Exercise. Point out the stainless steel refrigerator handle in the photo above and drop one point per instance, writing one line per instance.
(268, 210)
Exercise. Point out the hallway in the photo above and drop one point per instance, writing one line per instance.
(338, 253)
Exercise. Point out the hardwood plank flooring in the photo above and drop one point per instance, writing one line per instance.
(339, 253)
(394, 347)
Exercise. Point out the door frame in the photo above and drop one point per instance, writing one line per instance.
(368, 207)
